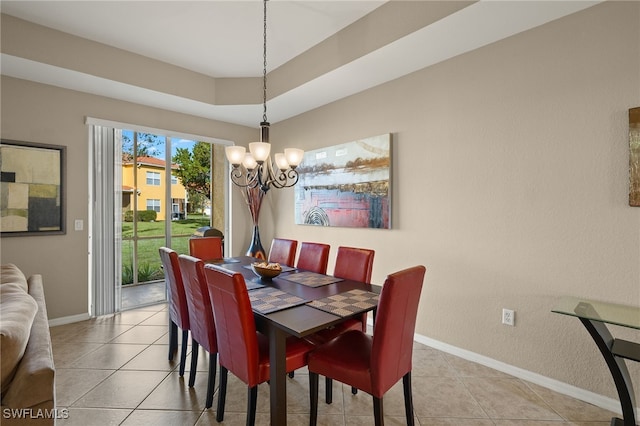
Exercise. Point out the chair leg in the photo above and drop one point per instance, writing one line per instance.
(354, 390)
(251, 405)
(194, 362)
(378, 412)
(173, 338)
(222, 394)
(213, 360)
(313, 398)
(328, 391)
(291, 374)
(408, 398)
(183, 354)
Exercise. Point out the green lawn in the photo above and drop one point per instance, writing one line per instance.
(156, 229)
(150, 238)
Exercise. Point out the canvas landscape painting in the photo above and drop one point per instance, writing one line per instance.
(346, 185)
(634, 157)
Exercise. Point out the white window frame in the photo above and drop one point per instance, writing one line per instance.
(153, 178)
(156, 204)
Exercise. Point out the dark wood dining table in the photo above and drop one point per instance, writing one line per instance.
(300, 321)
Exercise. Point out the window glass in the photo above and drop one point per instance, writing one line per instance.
(153, 205)
(153, 178)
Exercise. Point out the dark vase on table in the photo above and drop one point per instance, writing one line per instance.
(255, 248)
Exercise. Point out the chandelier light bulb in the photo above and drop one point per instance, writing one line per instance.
(294, 156)
(281, 161)
(260, 151)
(235, 154)
(249, 162)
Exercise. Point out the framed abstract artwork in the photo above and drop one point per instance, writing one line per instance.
(634, 157)
(346, 185)
(32, 196)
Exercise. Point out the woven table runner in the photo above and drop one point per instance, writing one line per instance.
(254, 283)
(347, 303)
(311, 279)
(269, 299)
(221, 261)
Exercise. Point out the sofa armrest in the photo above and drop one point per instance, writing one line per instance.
(33, 384)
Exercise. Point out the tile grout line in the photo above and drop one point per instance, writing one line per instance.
(459, 377)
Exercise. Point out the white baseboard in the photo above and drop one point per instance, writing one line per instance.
(68, 320)
(555, 385)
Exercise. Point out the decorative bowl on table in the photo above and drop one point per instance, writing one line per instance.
(266, 270)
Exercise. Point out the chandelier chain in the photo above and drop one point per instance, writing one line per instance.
(254, 170)
(264, 69)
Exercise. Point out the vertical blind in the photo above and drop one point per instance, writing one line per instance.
(106, 201)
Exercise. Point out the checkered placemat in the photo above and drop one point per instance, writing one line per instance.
(269, 299)
(311, 279)
(347, 303)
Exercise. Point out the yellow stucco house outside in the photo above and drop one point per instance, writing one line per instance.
(150, 175)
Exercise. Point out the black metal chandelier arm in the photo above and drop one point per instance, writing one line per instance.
(264, 182)
(268, 175)
(293, 175)
(285, 179)
(274, 176)
(243, 178)
(262, 176)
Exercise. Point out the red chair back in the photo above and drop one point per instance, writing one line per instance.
(283, 251)
(394, 328)
(203, 328)
(354, 264)
(178, 310)
(206, 248)
(314, 257)
(235, 324)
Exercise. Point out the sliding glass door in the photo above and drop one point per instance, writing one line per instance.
(148, 190)
(166, 198)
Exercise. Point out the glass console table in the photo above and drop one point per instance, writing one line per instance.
(594, 316)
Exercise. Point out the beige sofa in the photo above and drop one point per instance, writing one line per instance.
(28, 388)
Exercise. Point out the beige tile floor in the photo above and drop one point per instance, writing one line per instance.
(115, 371)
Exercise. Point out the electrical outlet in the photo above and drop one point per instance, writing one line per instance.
(508, 317)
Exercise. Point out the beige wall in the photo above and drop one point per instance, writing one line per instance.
(510, 184)
(46, 114)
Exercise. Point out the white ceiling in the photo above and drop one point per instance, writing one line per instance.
(224, 39)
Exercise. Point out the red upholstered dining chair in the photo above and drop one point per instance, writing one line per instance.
(206, 248)
(313, 257)
(355, 264)
(178, 311)
(203, 329)
(242, 350)
(283, 251)
(375, 363)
